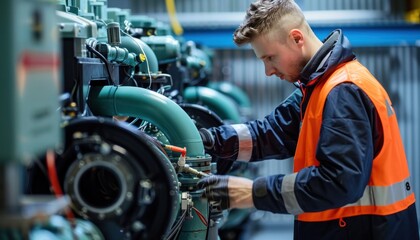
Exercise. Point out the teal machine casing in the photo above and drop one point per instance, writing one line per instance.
(30, 80)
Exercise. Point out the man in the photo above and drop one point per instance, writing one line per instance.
(350, 179)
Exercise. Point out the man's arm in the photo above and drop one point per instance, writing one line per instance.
(346, 150)
(273, 137)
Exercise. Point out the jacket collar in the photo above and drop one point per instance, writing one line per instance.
(335, 50)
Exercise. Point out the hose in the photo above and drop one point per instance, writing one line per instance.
(176, 26)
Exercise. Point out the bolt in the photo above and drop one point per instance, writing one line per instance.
(129, 195)
(137, 226)
(105, 149)
(118, 212)
(146, 184)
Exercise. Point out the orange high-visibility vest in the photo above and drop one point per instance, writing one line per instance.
(389, 188)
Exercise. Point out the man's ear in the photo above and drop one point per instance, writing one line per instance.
(296, 36)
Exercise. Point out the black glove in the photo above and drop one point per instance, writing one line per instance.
(207, 137)
(223, 166)
(216, 190)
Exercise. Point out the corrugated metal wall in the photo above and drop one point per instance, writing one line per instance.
(158, 6)
(345, 4)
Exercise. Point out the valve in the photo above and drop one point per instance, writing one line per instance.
(182, 165)
(114, 53)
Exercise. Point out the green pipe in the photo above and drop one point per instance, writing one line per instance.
(166, 48)
(222, 105)
(137, 46)
(150, 106)
(232, 91)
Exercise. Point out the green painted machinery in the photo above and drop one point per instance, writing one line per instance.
(237, 94)
(124, 180)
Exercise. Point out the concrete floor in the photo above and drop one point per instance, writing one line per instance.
(268, 232)
(268, 226)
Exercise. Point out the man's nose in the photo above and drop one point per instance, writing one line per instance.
(269, 70)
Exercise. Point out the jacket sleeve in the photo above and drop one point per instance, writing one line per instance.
(275, 136)
(350, 135)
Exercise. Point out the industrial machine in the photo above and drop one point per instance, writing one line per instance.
(129, 181)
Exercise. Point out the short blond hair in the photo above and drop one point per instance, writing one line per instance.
(264, 15)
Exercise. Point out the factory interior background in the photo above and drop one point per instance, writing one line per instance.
(385, 35)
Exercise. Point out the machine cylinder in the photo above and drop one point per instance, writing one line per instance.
(113, 34)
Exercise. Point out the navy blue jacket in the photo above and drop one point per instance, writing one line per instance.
(276, 135)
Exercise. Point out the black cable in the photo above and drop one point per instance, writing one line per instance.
(100, 56)
(177, 227)
(177, 232)
(73, 90)
(41, 167)
(208, 222)
(129, 77)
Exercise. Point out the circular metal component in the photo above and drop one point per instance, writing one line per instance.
(116, 177)
(202, 117)
(100, 185)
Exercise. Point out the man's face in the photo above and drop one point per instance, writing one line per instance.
(281, 58)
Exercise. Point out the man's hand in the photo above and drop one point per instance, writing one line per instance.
(228, 191)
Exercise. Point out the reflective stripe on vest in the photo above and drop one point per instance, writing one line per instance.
(384, 195)
(389, 189)
(372, 195)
